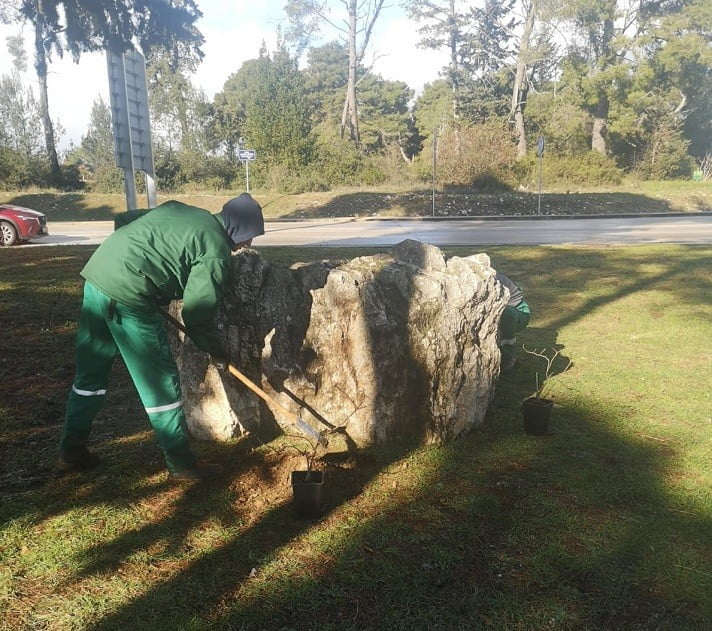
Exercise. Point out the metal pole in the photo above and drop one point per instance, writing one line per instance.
(130, 189)
(541, 156)
(150, 190)
(540, 152)
(435, 143)
(247, 174)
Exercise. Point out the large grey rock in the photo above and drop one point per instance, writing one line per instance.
(385, 346)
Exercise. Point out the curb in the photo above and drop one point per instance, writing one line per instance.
(486, 217)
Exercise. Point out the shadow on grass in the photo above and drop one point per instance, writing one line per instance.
(66, 206)
(569, 530)
(463, 203)
(499, 530)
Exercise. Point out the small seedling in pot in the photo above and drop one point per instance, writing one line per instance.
(549, 358)
(536, 409)
(307, 485)
(315, 440)
(310, 437)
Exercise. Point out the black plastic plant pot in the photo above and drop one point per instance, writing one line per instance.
(536, 413)
(307, 488)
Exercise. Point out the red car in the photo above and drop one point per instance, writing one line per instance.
(19, 224)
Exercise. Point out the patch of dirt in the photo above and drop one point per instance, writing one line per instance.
(262, 478)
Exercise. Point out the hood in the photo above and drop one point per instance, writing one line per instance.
(22, 210)
(242, 218)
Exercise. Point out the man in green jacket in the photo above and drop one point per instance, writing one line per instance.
(515, 319)
(169, 252)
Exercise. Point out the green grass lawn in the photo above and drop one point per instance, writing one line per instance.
(632, 198)
(606, 523)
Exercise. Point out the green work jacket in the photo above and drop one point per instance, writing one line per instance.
(169, 252)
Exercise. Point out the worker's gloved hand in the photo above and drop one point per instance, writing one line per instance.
(220, 361)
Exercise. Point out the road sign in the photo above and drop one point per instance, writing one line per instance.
(245, 155)
(130, 121)
(540, 146)
(129, 111)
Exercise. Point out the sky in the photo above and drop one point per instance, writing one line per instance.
(234, 32)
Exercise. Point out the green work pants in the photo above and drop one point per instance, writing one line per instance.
(514, 320)
(107, 328)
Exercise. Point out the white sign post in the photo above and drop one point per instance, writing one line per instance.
(130, 122)
(246, 156)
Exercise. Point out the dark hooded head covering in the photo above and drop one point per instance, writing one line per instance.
(242, 218)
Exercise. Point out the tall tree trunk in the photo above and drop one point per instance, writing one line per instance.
(454, 66)
(41, 69)
(186, 136)
(350, 112)
(599, 135)
(521, 85)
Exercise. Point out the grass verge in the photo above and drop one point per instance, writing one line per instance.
(605, 523)
(634, 198)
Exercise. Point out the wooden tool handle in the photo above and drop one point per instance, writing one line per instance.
(261, 393)
(236, 373)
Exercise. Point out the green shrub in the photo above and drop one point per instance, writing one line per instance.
(561, 119)
(336, 159)
(18, 171)
(279, 177)
(591, 168)
(390, 166)
(194, 171)
(466, 155)
(72, 178)
(666, 157)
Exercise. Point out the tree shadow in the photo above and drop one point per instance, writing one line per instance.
(462, 202)
(501, 534)
(498, 530)
(65, 206)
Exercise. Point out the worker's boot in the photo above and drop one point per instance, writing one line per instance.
(78, 459)
(200, 472)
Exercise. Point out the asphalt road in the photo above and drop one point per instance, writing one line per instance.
(371, 232)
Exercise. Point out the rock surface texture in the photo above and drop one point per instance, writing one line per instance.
(391, 346)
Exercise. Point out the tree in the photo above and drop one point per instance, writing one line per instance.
(20, 125)
(97, 145)
(385, 114)
(19, 116)
(95, 154)
(478, 40)
(520, 89)
(306, 19)
(433, 108)
(558, 111)
(644, 64)
(79, 26)
(597, 19)
(681, 63)
(443, 25)
(20, 135)
(267, 96)
(325, 76)
(179, 111)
